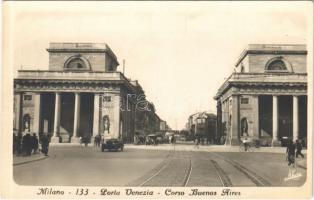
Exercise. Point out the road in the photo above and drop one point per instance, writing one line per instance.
(88, 166)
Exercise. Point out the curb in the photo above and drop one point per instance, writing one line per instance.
(215, 149)
(29, 161)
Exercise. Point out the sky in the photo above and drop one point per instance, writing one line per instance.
(180, 52)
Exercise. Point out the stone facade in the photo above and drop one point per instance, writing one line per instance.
(266, 96)
(81, 95)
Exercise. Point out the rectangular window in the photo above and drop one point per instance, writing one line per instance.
(244, 100)
(27, 97)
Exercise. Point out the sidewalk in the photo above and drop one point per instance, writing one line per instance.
(206, 148)
(19, 160)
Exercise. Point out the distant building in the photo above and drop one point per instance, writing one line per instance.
(266, 96)
(81, 95)
(202, 125)
(163, 125)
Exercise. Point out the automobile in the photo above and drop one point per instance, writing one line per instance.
(112, 144)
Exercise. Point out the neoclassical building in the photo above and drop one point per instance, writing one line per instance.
(81, 95)
(266, 96)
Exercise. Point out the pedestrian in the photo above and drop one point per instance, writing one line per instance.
(173, 140)
(27, 144)
(246, 141)
(197, 142)
(97, 141)
(19, 144)
(85, 140)
(290, 152)
(299, 149)
(45, 144)
(34, 143)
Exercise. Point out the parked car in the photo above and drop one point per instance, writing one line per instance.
(112, 144)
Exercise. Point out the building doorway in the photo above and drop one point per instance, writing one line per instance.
(285, 117)
(86, 116)
(66, 116)
(47, 112)
(265, 103)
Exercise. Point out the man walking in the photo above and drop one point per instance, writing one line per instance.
(34, 143)
(45, 144)
(290, 152)
(299, 149)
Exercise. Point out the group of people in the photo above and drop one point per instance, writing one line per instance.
(28, 144)
(293, 151)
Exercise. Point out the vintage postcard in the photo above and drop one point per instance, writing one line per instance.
(157, 100)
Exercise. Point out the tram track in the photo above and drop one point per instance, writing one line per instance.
(250, 174)
(176, 171)
(169, 171)
(186, 180)
(222, 175)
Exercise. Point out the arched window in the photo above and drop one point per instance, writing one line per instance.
(76, 63)
(277, 65)
(244, 126)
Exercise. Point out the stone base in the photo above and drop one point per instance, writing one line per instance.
(235, 142)
(275, 143)
(75, 140)
(232, 142)
(54, 139)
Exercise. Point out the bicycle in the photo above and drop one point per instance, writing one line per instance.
(249, 147)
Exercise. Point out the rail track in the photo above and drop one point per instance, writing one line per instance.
(176, 171)
(222, 175)
(250, 174)
(169, 172)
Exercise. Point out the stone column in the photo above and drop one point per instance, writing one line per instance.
(56, 125)
(275, 121)
(295, 118)
(37, 116)
(255, 114)
(76, 117)
(19, 113)
(235, 120)
(96, 116)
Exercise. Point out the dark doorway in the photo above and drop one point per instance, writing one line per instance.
(265, 107)
(86, 115)
(47, 112)
(67, 116)
(303, 118)
(285, 114)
